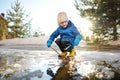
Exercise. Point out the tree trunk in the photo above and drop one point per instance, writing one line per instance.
(115, 33)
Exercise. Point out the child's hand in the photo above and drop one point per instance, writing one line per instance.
(49, 42)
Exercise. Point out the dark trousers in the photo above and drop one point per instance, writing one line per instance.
(64, 45)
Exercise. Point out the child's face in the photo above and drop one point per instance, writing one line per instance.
(64, 24)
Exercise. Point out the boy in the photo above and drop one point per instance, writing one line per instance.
(69, 36)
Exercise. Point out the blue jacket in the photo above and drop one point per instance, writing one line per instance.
(70, 33)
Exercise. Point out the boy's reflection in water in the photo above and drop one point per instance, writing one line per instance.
(67, 71)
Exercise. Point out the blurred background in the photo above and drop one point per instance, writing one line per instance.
(97, 20)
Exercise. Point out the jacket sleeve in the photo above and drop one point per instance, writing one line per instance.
(53, 35)
(78, 36)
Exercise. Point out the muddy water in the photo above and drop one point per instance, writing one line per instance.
(44, 65)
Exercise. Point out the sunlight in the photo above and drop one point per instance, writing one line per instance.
(86, 68)
(85, 27)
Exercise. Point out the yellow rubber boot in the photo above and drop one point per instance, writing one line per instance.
(63, 54)
(72, 53)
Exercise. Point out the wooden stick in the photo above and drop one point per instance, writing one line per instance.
(55, 50)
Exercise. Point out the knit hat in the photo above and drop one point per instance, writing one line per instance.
(62, 16)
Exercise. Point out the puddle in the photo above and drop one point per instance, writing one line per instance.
(87, 70)
(39, 66)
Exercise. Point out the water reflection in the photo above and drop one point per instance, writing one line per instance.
(87, 70)
(67, 71)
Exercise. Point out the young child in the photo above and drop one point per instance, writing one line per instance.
(69, 36)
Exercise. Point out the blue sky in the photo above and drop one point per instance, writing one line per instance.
(44, 13)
